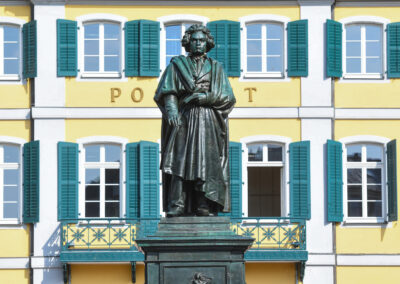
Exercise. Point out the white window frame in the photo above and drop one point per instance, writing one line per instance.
(360, 140)
(175, 19)
(365, 20)
(9, 21)
(82, 142)
(262, 19)
(265, 139)
(100, 18)
(14, 141)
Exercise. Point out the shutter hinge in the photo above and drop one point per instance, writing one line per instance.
(79, 182)
(78, 28)
(79, 70)
(241, 29)
(124, 181)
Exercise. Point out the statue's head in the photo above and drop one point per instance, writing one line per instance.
(198, 40)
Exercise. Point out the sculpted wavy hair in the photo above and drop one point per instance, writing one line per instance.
(197, 28)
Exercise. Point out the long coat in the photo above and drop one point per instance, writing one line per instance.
(198, 149)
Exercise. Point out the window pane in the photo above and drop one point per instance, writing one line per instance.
(10, 210)
(187, 25)
(111, 31)
(254, 47)
(168, 60)
(374, 192)
(173, 47)
(113, 153)
(254, 64)
(354, 153)
(112, 192)
(274, 64)
(112, 209)
(274, 31)
(11, 154)
(255, 153)
(173, 32)
(91, 47)
(274, 47)
(11, 50)
(92, 31)
(374, 48)
(11, 177)
(10, 193)
(374, 176)
(92, 153)
(92, 192)
(111, 64)
(374, 153)
(353, 48)
(353, 65)
(254, 31)
(274, 153)
(374, 65)
(354, 176)
(11, 66)
(11, 33)
(354, 192)
(91, 63)
(111, 47)
(354, 209)
(92, 209)
(374, 209)
(112, 175)
(373, 32)
(353, 32)
(92, 176)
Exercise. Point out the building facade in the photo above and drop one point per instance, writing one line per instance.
(312, 137)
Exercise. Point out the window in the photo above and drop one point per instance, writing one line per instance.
(102, 189)
(102, 48)
(265, 172)
(173, 37)
(264, 49)
(10, 185)
(364, 179)
(364, 50)
(10, 51)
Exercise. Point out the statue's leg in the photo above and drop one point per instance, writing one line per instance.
(176, 197)
(202, 204)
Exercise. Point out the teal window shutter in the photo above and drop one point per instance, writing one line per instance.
(392, 180)
(227, 45)
(149, 49)
(333, 49)
(132, 48)
(29, 50)
(67, 44)
(31, 182)
(335, 181)
(132, 181)
(68, 180)
(235, 171)
(298, 48)
(299, 166)
(393, 50)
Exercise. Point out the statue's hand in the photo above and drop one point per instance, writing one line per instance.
(174, 119)
(199, 99)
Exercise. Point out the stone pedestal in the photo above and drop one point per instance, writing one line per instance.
(194, 250)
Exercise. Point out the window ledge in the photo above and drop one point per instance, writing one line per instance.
(10, 78)
(101, 75)
(365, 221)
(10, 222)
(101, 222)
(259, 75)
(363, 76)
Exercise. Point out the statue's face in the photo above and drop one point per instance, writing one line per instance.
(198, 43)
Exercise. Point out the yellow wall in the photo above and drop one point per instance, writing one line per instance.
(368, 275)
(14, 243)
(105, 273)
(374, 239)
(15, 95)
(16, 276)
(367, 94)
(15, 128)
(98, 94)
(270, 273)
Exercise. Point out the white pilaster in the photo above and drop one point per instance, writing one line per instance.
(319, 275)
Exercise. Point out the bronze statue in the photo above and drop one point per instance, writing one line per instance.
(195, 98)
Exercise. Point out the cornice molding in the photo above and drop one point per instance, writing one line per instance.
(15, 3)
(48, 2)
(316, 2)
(182, 3)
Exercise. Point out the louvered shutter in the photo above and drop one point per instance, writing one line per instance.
(29, 50)
(393, 50)
(67, 43)
(235, 171)
(132, 181)
(335, 181)
(149, 48)
(132, 48)
(333, 49)
(68, 180)
(392, 180)
(227, 45)
(31, 182)
(298, 48)
(149, 186)
(299, 165)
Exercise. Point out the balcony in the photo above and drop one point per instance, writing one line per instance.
(113, 240)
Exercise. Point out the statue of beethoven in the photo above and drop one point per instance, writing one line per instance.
(195, 98)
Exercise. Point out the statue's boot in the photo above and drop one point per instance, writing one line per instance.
(203, 208)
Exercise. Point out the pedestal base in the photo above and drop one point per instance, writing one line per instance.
(194, 250)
